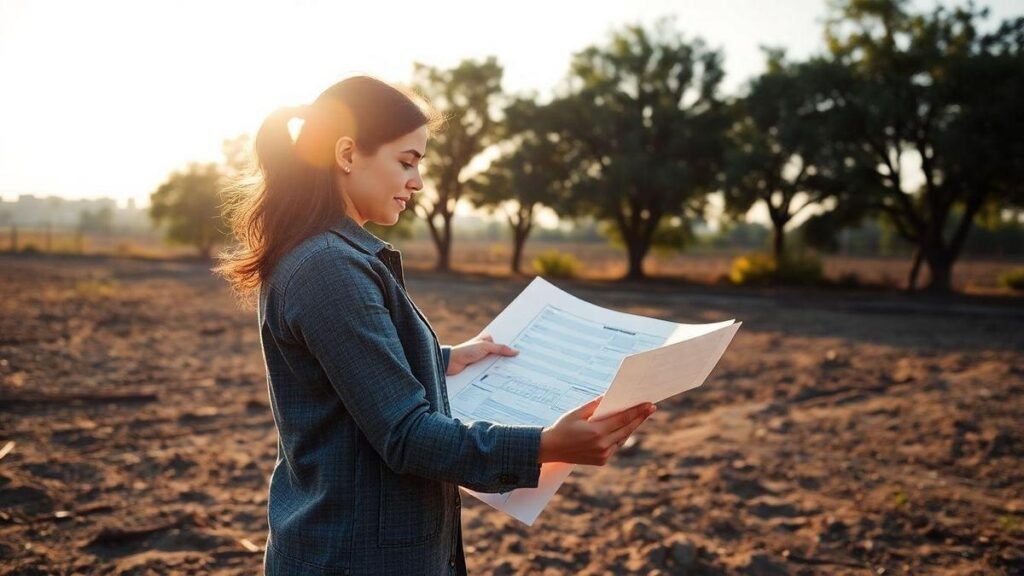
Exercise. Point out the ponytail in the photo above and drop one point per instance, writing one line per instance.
(274, 149)
(292, 193)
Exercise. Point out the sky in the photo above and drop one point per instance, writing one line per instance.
(106, 99)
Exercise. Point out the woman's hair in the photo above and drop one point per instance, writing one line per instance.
(291, 191)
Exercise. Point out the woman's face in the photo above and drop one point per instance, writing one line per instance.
(378, 186)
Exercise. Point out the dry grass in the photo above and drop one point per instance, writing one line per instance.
(598, 261)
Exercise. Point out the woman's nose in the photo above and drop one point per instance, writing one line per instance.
(416, 184)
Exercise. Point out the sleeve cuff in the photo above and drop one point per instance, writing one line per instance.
(521, 457)
(446, 356)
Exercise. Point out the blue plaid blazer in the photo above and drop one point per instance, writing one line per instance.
(369, 458)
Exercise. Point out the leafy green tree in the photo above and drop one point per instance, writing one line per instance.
(188, 207)
(932, 90)
(532, 173)
(645, 114)
(467, 95)
(778, 153)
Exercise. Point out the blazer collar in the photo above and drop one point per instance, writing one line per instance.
(358, 236)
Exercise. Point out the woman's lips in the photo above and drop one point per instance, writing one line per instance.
(401, 202)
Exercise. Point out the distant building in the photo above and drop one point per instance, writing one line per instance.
(57, 213)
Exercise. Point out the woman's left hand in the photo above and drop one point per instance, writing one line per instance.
(475, 350)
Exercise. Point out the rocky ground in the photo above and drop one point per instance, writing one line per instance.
(841, 433)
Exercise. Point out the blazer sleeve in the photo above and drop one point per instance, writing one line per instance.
(334, 305)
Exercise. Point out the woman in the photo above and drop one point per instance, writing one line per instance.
(369, 457)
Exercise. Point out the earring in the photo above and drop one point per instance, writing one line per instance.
(347, 169)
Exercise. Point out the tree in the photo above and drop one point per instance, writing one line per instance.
(778, 153)
(187, 206)
(466, 95)
(929, 89)
(532, 173)
(644, 111)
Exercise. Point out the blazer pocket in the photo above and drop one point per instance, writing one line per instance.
(411, 509)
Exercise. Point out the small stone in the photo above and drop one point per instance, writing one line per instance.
(1002, 444)
(770, 507)
(764, 564)
(515, 547)
(903, 372)
(682, 552)
(506, 568)
(656, 555)
(835, 530)
(637, 529)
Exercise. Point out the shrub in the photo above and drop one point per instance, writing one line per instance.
(752, 269)
(1012, 279)
(764, 269)
(556, 264)
(849, 280)
(800, 271)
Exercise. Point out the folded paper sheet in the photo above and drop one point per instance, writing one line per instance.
(571, 351)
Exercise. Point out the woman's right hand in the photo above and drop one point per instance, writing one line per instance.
(576, 439)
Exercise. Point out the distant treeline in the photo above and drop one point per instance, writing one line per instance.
(871, 237)
(904, 135)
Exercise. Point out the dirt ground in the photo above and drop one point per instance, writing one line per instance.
(842, 433)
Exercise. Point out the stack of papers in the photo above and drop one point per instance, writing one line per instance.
(571, 351)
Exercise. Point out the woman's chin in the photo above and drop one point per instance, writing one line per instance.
(388, 222)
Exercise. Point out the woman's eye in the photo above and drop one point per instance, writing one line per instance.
(406, 164)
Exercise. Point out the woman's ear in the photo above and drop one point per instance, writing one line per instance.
(344, 151)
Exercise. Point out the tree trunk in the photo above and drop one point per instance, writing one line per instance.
(636, 252)
(518, 241)
(915, 270)
(442, 237)
(778, 242)
(942, 256)
(443, 256)
(940, 267)
(521, 226)
(444, 246)
(517, 257)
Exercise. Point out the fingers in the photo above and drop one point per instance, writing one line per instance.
(617, 437)
(618, 420)
(501, 349)
(614, 440)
